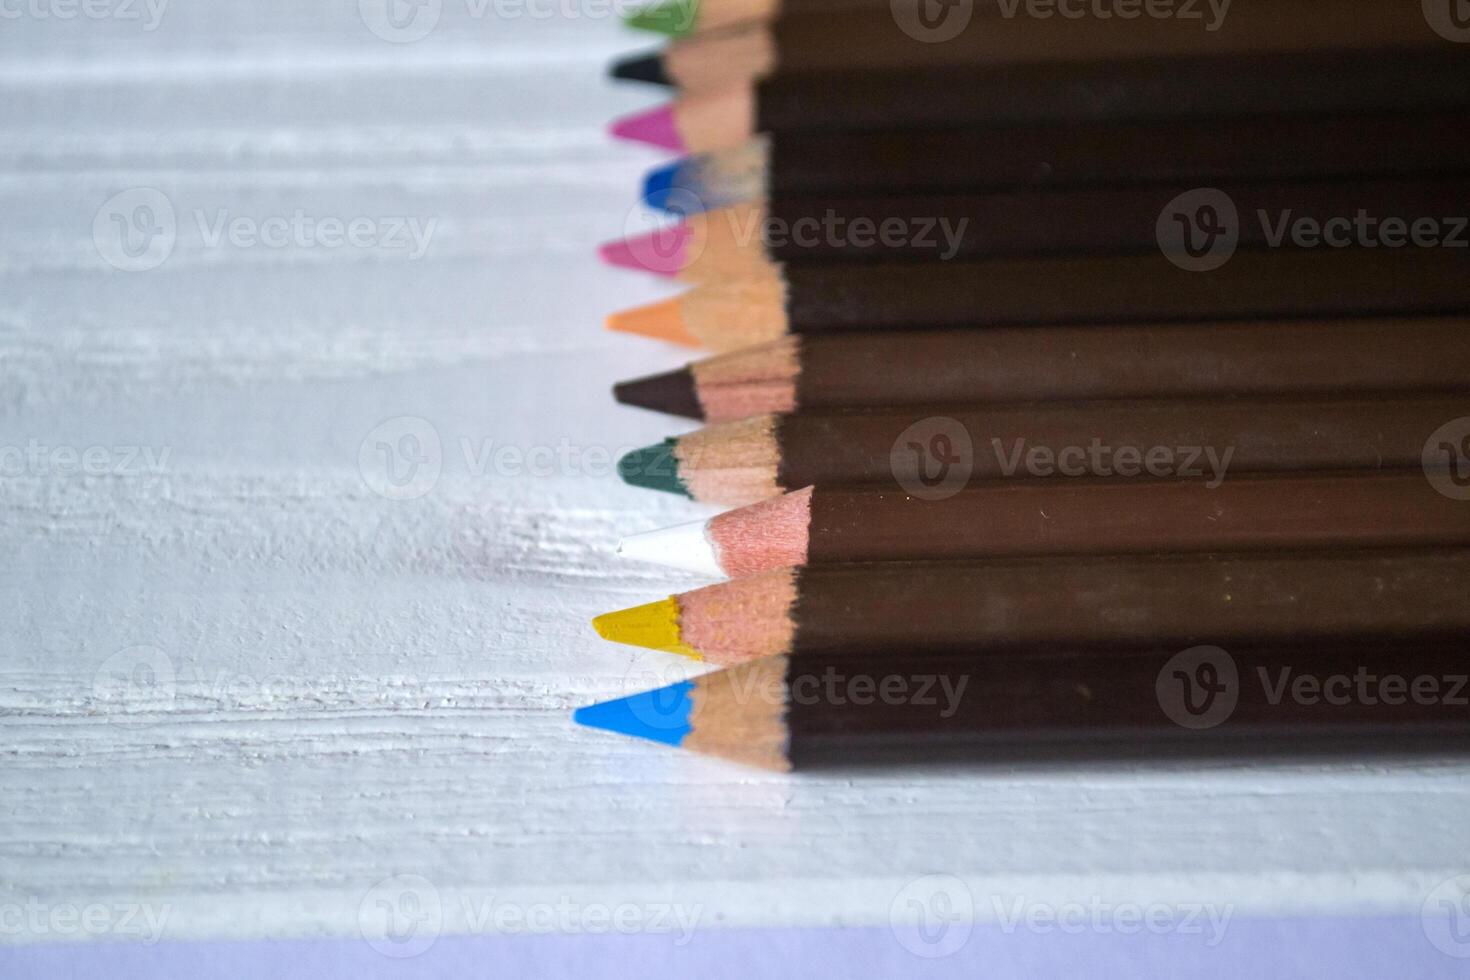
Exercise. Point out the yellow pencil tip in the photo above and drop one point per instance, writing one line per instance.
(662, 321)
(654, 625)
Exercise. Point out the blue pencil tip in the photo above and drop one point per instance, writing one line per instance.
(660, 715)
(660, 187)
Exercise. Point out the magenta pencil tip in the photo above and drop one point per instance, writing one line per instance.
(662, 252)
(655, 127)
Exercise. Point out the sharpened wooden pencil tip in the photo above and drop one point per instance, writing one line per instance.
(661, 321)
(643, 68)
(654, 626)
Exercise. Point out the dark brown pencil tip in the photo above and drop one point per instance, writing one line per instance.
(672, 392)
(642, 68)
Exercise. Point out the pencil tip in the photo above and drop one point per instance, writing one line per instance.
(672, 392)
(675, 188)
(661, 252)
(653, 626)
(662, 321)
(654, 468)
(674, 18)
(660, 715)
(656, 127)
(642, 68)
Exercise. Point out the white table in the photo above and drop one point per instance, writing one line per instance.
(347, 687)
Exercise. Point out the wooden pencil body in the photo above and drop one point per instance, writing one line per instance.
(1354, 697)
(947, 607)
(1127, 361)
(952, 446)
(928, 228)
(1275, 283)
(1039, 517)
(1190, 151)
(1134, 89)
(876, 39)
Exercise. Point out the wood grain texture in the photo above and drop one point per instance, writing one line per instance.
(347, 687)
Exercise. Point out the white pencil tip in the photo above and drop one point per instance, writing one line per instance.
(685, 546)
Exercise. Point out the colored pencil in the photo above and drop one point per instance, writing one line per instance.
(948, 447)
(970, 160)
(835, 710)
(1108, 91)
(875, 39)
(1017, 364)
(1047, 363)
(1253, 284)
(1116, 600)
(828, 525)
(751, 240)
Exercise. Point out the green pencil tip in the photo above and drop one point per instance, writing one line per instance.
(674, 18)
(653, 467)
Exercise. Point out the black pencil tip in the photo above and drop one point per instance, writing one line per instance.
(672, 392)
(642, 68)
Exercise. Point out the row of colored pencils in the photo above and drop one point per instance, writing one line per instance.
(1074, 377)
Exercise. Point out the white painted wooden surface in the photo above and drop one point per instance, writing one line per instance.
(348, 687)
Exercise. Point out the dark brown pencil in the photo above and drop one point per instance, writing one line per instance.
(813, 298)
(878, 369)
(1060, 602)
(1115, 90)
(932, 450)
(974, 159)
(1391, 697)
(829, 525)
(893, 36)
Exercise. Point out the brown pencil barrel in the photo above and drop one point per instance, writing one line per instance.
(947, 607)
(1279, 283)
(875, 39)
(1275, 700)
(949, 448)
(1037, 517)
(1195, 151)
(1166, 88)
(1132, 361)
(970, 226)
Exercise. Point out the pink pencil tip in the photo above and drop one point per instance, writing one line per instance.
(656, 126)
(661, 252)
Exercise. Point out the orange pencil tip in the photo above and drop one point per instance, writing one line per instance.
(662, 321)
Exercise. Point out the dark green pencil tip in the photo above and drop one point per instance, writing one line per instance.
(674, 18)
(653, 467)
